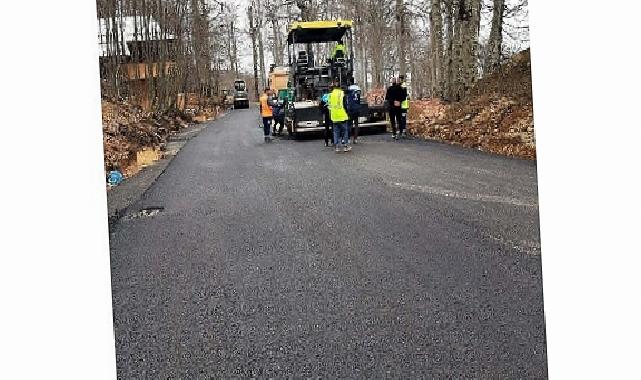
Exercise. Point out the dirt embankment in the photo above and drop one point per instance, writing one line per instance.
(133, 139)
(495, 117)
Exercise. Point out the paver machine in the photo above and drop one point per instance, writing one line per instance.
(310, 77)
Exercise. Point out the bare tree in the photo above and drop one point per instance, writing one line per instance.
(495, 43)
(436, 34)
(401, 35)
(436, 42)
(253, 33)
(260, 13)
(158, 48)
(306, 9)
(277, 34)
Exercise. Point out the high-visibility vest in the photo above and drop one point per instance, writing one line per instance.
(405, 104)
(338, 47)
(265, 108)
(337, 111)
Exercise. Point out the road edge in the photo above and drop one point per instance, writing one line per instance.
(122, 197)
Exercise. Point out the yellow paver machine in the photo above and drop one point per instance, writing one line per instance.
(320, 52)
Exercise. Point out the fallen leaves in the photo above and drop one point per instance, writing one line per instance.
(129, 132)
(496, 116)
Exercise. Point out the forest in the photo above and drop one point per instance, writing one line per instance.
(444, 46)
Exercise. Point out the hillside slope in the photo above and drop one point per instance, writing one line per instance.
(133, 138)
(496, 116)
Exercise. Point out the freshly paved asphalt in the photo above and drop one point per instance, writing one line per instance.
(400, 259)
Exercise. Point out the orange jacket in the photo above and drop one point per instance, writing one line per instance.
(265, 108)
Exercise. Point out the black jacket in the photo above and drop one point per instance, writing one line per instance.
(395, 93)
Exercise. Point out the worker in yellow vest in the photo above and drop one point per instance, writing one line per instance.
(338, 58)
(337, 104)
(339, 50)
(405, 107)
(266, 113)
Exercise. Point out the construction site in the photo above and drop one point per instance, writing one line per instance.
(320, 189)
(244, 244)
(151, 88)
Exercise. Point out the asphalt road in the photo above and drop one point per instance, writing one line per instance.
(400, 259)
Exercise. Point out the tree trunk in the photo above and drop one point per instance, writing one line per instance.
(436, 42)
(470, 45)
(464, 63)
(306, 8)
(277, 37)
(400, 32)
(446, 63)
(252, 29)
(364, 66)
(495, 42)
(261, 50)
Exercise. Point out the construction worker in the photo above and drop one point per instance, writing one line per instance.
(338, 115)
(266, 113)
(394, 96)
(324, 100)
(339, 50)
(405, 106)
(278, 110)
(338, 60)
(353, 107)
